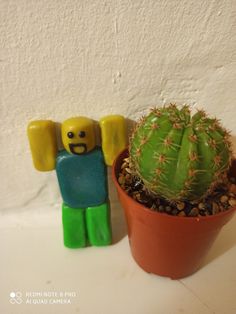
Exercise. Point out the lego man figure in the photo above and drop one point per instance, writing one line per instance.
(81, 173)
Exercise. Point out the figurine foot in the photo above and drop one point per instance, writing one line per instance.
(74, 227)
(98, 224)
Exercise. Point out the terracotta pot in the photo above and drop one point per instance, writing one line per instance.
(168, 245)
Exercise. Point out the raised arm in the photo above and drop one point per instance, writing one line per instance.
(43, 144)
(114, 136)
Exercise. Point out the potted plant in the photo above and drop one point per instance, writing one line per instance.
(172, 183)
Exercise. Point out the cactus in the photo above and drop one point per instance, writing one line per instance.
(179, 156)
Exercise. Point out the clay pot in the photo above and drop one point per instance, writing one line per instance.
(168, 245)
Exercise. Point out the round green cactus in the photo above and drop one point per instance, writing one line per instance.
(179, 156)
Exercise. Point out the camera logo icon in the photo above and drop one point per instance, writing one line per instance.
(16, 297)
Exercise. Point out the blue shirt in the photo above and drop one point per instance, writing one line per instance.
(82, 178)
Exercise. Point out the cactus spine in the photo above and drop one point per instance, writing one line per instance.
(179, 156)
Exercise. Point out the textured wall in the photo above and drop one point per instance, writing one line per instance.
(75, 57)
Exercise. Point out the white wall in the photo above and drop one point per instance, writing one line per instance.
(77, 57)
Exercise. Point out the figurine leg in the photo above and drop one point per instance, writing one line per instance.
(74, 227)
(98, 224)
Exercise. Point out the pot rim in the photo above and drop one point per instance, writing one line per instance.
(156, 213)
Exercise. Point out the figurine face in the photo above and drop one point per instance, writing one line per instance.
(78, 135)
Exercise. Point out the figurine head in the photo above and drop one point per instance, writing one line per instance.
(78, 135)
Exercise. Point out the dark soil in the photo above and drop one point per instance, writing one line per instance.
(221, 199)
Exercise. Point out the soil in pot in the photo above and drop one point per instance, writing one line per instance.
(220, 200)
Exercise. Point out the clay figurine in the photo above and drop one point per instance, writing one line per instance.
(81, 172)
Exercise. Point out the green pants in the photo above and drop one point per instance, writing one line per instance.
(82, 226)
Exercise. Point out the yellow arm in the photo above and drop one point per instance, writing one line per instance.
(43, 145)
(114, 136)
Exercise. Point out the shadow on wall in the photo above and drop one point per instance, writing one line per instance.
(119, 228)
(227, 239)
(233, 140)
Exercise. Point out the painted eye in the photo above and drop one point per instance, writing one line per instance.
(70, 134)
(81, 134)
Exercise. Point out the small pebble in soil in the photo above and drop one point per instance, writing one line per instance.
(221, 199)
(232, 188)
(232, 202)
(215, 208)
(168, 209)
(180, 205)
(194, 212)
(224, 199)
